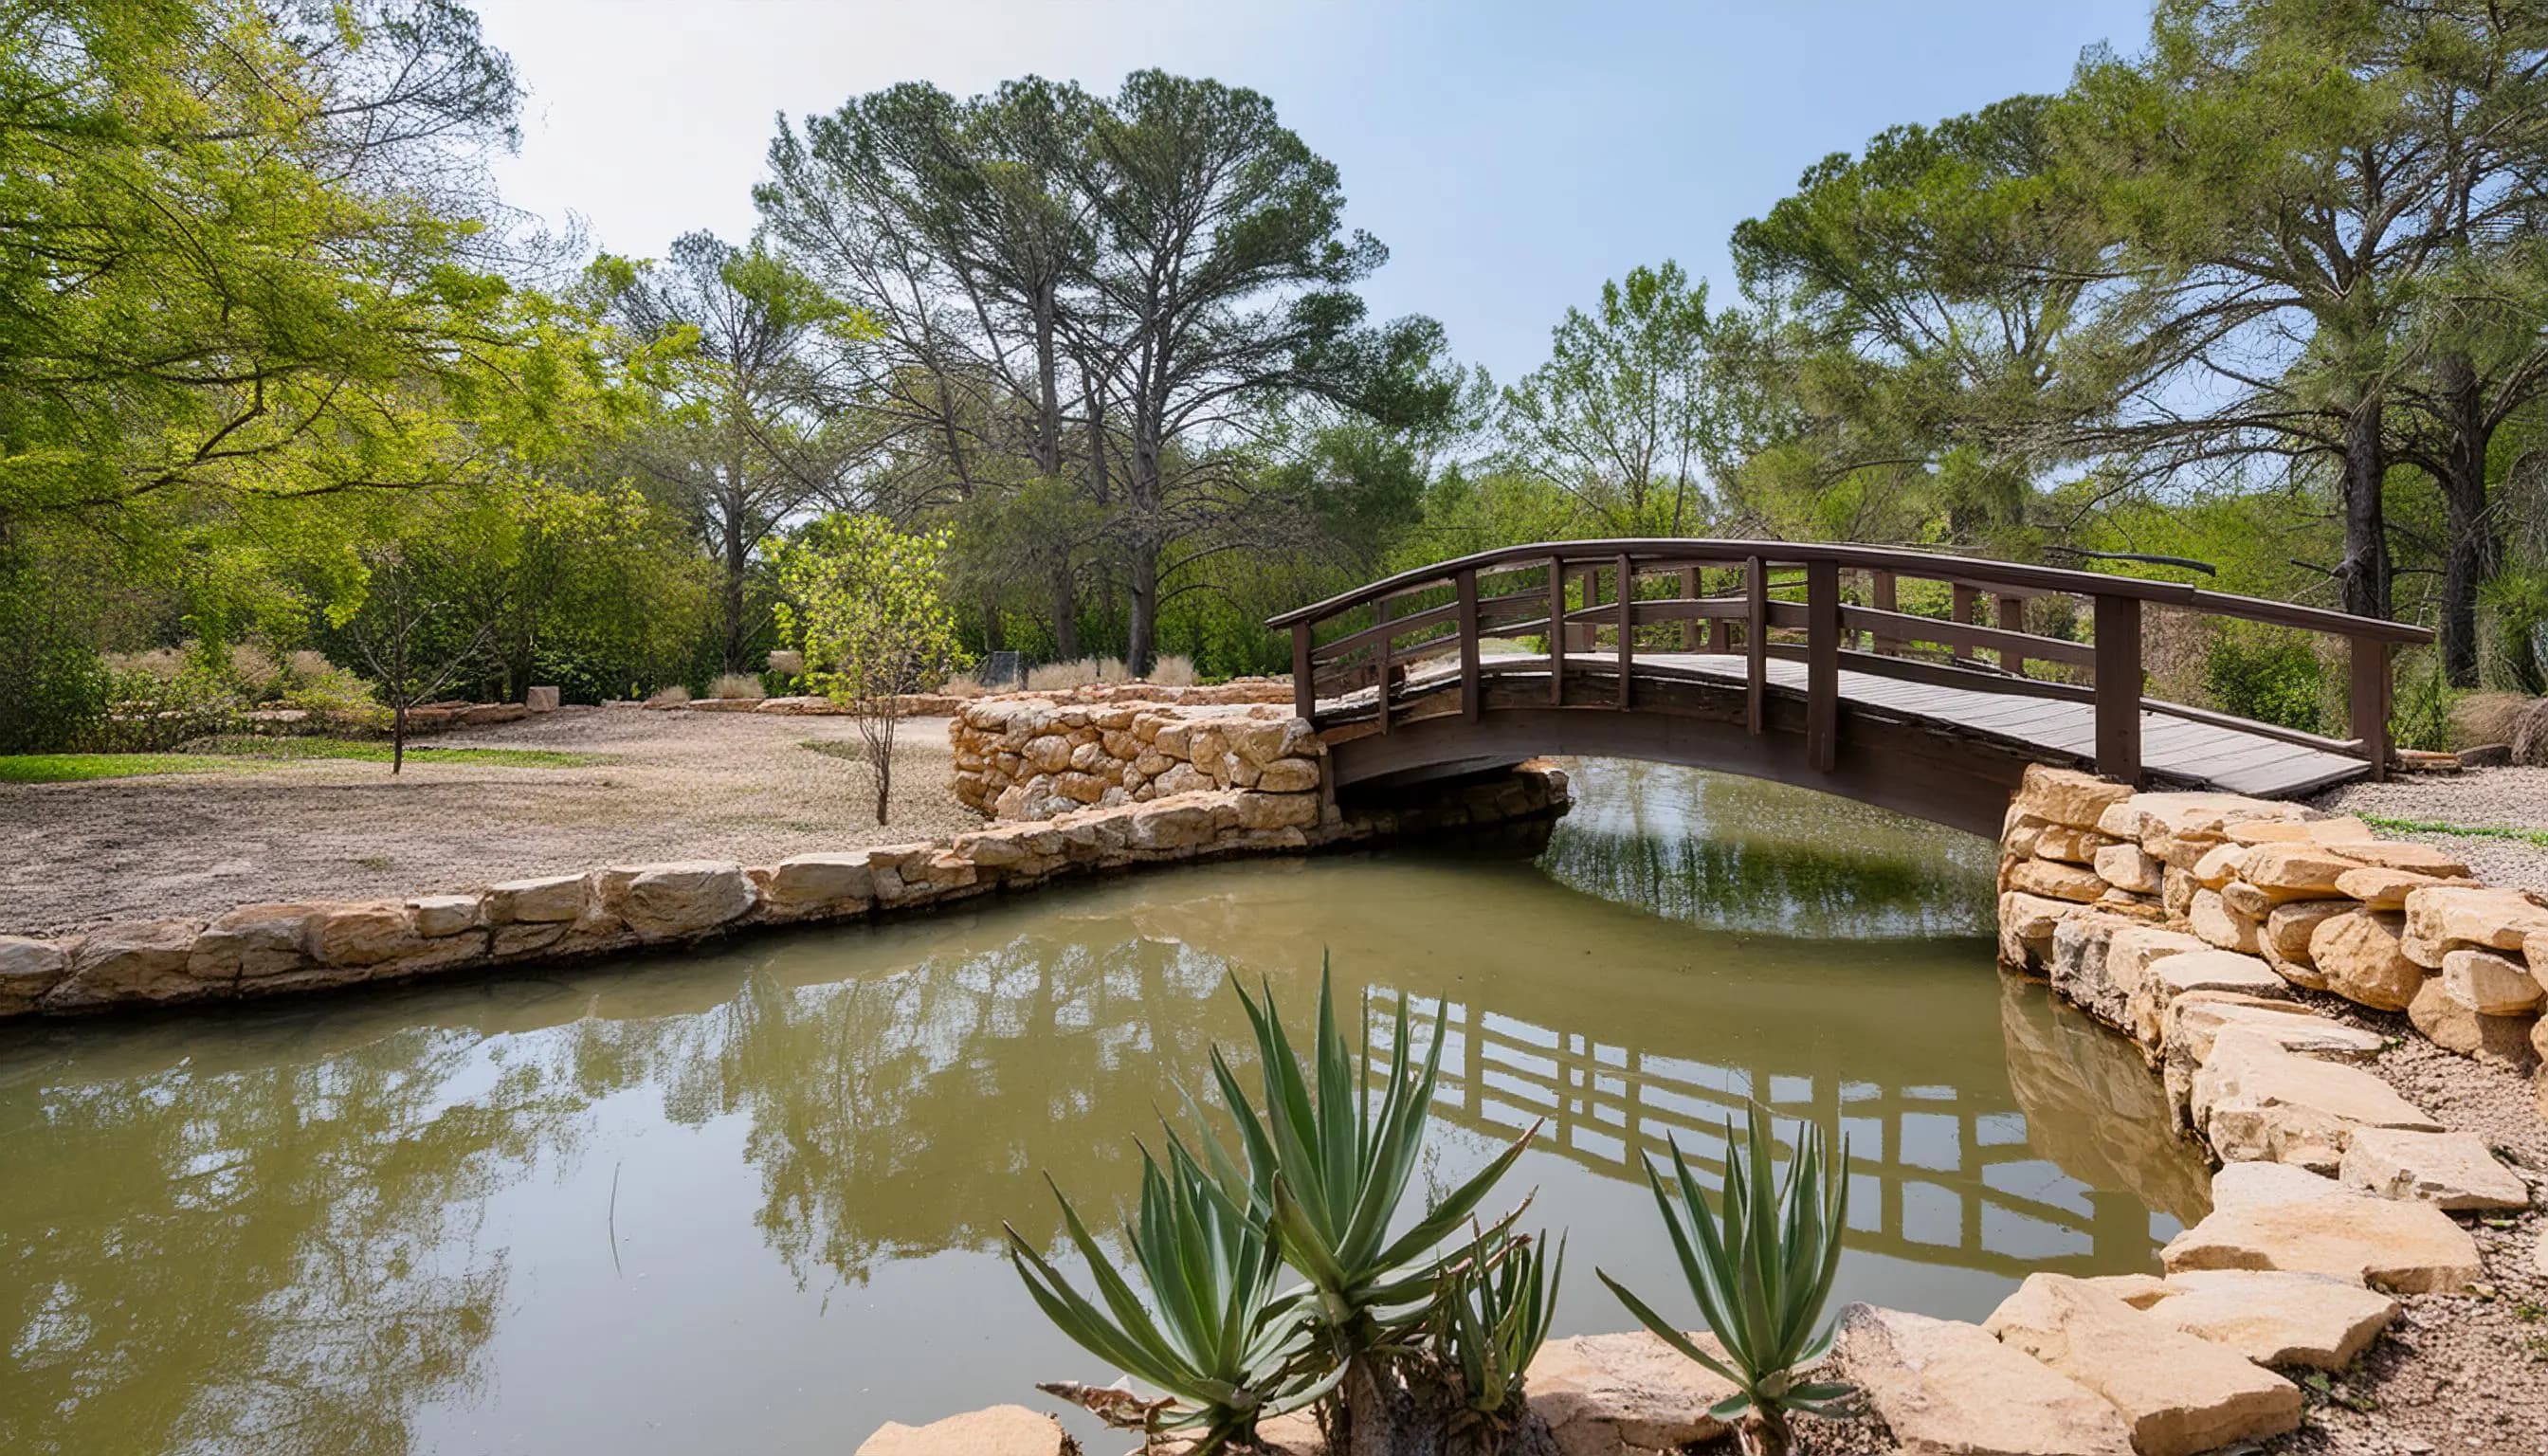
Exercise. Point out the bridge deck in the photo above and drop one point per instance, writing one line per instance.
(2204, 755)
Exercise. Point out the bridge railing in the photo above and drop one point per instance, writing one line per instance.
(1599, 603)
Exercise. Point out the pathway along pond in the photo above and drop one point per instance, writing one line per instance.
(750, 1200)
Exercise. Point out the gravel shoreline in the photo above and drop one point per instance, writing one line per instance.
(664, 786)
(2501, 798)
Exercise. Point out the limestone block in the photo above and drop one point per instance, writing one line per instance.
(1946, 1388)
(2057, 880)
(2071, 845)
(2171, 976)
(2296, 872)
(130, 961)
(1600, 1392)
(1085, 757)
(2211, 918)
(2178, 1393)
(1182, 822)
(2129, 867)
(2018, 837)
(2135, 948)
(2026, 925)
(2293, 831)
(2276, 1317)
(2489, 982)
(29, 967)
(2197, 1018)
(2247, 901)
(2068, 797)
(2286, 938)
(1081, 788)
(2383, 888)
(362, 935)
(1183, 778)
(2437, 916)
(2257, 1102)
(2361, 956)
(1289, 776)
(2304, 1224)
(2411, 857)
(2176, 888)
(1277, 810)
(556, 898)
(682, 899)
(2220, 864)
(1001, 1430)
(254, 940)
(541, 700)
(2455, 1028)
(2080, 941)
(2197, 816)
(1048, 752)
(2449, 1170)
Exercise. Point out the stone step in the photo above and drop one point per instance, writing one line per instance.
(2266, 1216)
(1945, 1387)
(2178, 1393)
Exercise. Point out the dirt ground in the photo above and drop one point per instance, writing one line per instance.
(664, 786)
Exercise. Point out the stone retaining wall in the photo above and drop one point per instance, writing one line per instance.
(1030, 758)
(2279, 894)
(271, 949)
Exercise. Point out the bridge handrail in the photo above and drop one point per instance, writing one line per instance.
(1979, 572)
(1832, 629)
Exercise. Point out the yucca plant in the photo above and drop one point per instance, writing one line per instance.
(1339, 1160)
(1489, 1317)
(1761, 1270)
(1224, 1349)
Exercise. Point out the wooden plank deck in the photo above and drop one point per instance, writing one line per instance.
(2202, 754)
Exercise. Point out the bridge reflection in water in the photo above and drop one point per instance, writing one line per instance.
(751, 1199)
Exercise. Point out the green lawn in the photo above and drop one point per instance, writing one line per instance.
(2537, 837)
(226, 753)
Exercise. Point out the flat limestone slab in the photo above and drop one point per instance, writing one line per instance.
(2276, 1317)
(1949, 1389)
(2449, 1170)
(2256, 1101)
(2197, 971)
(2292, 1220)
(1001, 1430)
(2178, 1393)
(1601, 1392)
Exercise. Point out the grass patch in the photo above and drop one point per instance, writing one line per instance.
(2538, 837)
(242, 746)
(76, 768)
(851, 749)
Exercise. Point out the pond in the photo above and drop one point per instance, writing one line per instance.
(751, 1198)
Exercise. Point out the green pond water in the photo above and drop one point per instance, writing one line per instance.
(750, 1199)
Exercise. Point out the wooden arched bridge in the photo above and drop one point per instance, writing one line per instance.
(1809, 663)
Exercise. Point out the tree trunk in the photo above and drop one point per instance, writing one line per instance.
(1065, 613)
(995, 628)
(738, 557)
(2364, 572)
(398, 738)
(2471, 552)
(1371, 1427)
(1141, 643)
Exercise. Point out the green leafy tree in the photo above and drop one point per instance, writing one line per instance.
(868, 604)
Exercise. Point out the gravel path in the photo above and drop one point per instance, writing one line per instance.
(667, 787)
(2504, 798)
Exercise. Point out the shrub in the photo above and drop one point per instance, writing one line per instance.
(335, 699)
(2272, 675)
(149, 713)
(2531, 735)
(737, 685)
(2511, 626)
(259, 676)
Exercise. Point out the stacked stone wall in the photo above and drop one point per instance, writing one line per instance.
(1029, 757)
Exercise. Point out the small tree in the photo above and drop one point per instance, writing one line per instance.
(869, 605)
(414, 642)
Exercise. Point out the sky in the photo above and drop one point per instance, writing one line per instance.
(1513, 156)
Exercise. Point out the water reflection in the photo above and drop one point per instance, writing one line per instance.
(751, 1199)
(1744, 854)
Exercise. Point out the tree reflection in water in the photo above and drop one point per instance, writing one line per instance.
(272, 1231)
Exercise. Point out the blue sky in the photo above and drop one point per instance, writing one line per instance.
(1511, 155)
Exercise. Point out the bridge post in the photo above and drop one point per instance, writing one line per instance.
(1380, 616)
(1472, 693)
(1756, 645)
(1557, 632)
(1627, 582)
(1822, 663)
(1305, 691)
(2012, 618)
(1964, 600)
(2370, 700)
(1689, 592)
(1881, 595)
(2117, 672)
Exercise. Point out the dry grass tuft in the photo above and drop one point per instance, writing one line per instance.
(2530, 734)
(674, 694)
(791, 663)
(737, 685)
(1173, 671)
(2486, 717)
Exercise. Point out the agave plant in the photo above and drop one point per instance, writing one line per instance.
(1339, 1162)
(1490, 1315)
(1216, 1338)
(1761, 1270)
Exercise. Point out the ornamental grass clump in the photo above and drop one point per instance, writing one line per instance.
(1761, 1269)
